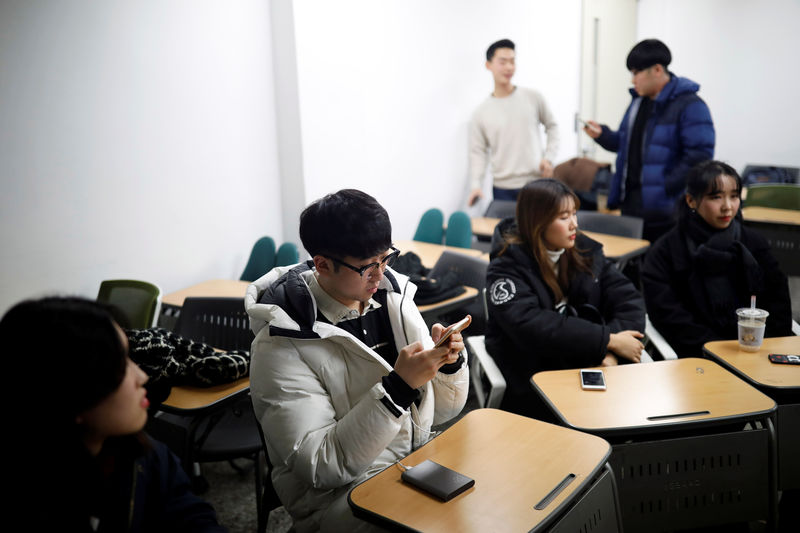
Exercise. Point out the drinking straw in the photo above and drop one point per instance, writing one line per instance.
(753, 301)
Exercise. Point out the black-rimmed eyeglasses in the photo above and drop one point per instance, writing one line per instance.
(369, 269)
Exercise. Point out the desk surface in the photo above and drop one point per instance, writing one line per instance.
(652, 396)
(515, 462)
(197, 397)
(754, 366)
(470, 294)
(429, 253)
(770, 214)
(211, 288)
(614, 246)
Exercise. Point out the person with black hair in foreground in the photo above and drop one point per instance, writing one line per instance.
(554, 299)
(666, 129)
(699, 273)
(344, 376)
(77, 410)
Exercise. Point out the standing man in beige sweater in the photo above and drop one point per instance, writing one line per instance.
(506, 125)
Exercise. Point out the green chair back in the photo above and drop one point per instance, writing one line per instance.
(287, 255)
(784, 196)
(262, 259)
(139, 301)
(431, 227)
(459, 230)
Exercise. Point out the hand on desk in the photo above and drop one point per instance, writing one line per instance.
(626, 344)
(417, 366)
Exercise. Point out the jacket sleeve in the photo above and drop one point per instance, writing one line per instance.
(449, 390)
(478, 153)
(549, 335)
(608, 139)
(547, 118)
(299, 420)
(623, 305)
(697, 137)
(180, 509)
(677, 322)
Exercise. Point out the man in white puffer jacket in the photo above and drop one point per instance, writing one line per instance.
(344, 377)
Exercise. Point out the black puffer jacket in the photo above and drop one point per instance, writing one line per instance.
(525, 332)
(679, 303)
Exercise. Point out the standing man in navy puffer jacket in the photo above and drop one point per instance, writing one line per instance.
(665, 131)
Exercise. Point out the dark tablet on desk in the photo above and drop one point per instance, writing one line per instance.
(437, 480)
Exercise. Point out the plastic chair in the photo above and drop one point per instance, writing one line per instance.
(287, 255)
(431, 227)
(786, 196)
(262, 259)
(221, 322)
(621, 225)
(501, 209)
(139, 301)
(484, 372)
(470, 271)
(459, 230)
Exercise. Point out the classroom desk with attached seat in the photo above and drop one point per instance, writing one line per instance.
(779, 382)
(693, 445)
(616, 248)
(529, 476)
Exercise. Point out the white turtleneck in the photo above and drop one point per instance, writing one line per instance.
(554, 256)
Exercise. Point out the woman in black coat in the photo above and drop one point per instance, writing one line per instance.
(554, 300)
(698, 274)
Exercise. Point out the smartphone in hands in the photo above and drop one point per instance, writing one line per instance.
(587, 125)
(454, 328)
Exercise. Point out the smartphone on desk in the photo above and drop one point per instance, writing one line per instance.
(783, 359)
(593, 380)
(453, 328)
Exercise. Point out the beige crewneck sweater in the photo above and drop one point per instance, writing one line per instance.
(508, 127)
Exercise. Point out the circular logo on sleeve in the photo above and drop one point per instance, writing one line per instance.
(502, 291)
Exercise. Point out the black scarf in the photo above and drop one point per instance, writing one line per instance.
(724, 272)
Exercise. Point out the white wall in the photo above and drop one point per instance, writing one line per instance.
(137, 139)
(743, 53)
(386, 90)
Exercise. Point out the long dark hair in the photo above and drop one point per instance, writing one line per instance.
(63, 356)
(538, 205)
(705, 178)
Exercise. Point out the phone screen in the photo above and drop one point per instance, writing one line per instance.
(593, 379)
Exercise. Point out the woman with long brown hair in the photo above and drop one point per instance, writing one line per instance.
(554, 299)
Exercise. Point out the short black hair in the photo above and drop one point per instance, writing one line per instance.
(705, 179)
(502, 43)
(346, 223)
(648, 53)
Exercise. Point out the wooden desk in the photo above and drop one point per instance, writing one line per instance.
(184, 398)
(515, 462)
(614, 247)
(212, 288)
(680, 449)
(781, 228)
(451, 303)
(781, 383)
(770, 214)
(429, 253)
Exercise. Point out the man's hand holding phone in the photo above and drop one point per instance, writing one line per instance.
(417, 366)
(591, 128)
